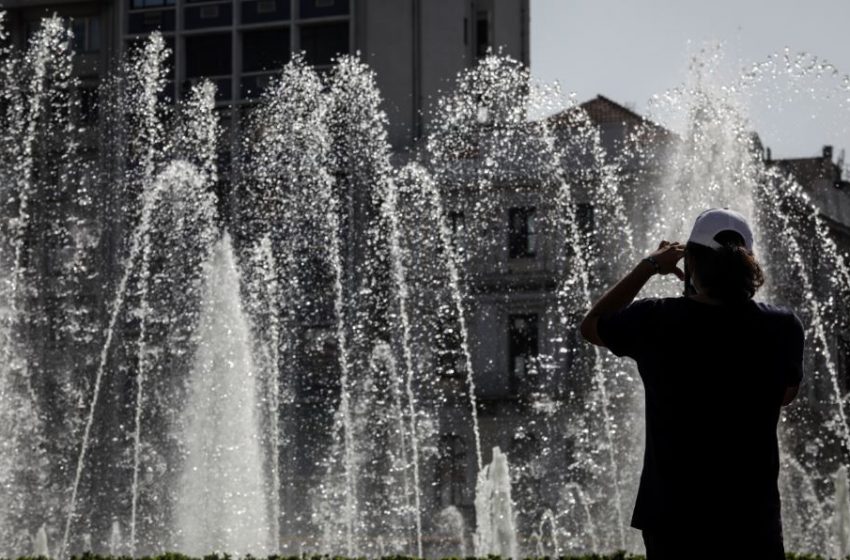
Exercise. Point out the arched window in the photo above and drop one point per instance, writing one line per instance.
(451, 470)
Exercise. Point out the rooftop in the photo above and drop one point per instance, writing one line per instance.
(602, 110)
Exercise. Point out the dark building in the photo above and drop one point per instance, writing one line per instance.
(416, 47)
(823, 182)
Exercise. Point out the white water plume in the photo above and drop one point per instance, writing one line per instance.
(221, 503)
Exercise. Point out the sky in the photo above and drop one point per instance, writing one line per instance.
(630, 50)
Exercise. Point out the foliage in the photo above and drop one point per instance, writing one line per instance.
(620, 555)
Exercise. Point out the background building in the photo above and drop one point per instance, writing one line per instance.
(416, 47)
(821, 178)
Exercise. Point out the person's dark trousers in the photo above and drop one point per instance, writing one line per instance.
(709, 543)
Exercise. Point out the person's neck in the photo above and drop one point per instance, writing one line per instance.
(702, 298)
(699, 294)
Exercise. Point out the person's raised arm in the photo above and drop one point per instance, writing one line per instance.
(790, 394)
(625, 291)
(792, 346)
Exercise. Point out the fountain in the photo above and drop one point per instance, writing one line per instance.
(115, 540)
(221, 498)
(841, 517)
(303, 352)
(451, 534)
(39, 544)
(495, 532)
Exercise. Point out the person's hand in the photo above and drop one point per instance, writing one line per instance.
(667, 256)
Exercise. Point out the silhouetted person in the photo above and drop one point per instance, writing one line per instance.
(716, 368)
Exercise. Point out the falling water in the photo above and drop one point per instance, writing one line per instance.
(345, 421)
(49, 46)
(221, 504)
(36, 97)
(495, 532)
(144, 310)
(116, 541)
(575, 292)
(434, 198)
(39, 544)
(452, 533)
(818, 318)
(104, 356)
(577, 496)
(400, 281)
(146, 80)
(841, 518)
(548, 518)
(181, 191)
(812, 524)
(271, 352)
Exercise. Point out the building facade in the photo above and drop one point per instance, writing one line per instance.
(823, 182)
(416, 47)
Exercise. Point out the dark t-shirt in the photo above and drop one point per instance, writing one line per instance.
(714, 376)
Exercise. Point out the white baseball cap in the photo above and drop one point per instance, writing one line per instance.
(713, 221)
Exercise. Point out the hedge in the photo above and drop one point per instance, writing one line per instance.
(613, 556)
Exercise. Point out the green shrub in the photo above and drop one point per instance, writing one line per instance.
(613, 556)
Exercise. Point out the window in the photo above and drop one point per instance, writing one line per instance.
(451, 470)
(522, 348)
(522, 242)
(320, 352)
(208, 55)
(322, 43)
(585, 218)
(455, 222)
(844, 359)
(147, 21)
(86, 34)
(266, 49)
(208, 15)
(448, 343)
(169, 61)
(255, 86)
(524, 447)
(265, 38)
(525, 450)
(141, 4)
(89, 103)
(266, 7)
(256, 11)
(323, 8)
(482, 33)
(457, 229)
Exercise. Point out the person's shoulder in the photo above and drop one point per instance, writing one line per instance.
(656, 307)
(657, 301)
(649, 303)
(779, 314)
(771, 309)
(669, 303)
(638, 309)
